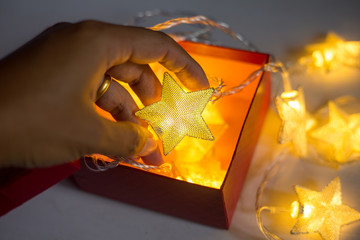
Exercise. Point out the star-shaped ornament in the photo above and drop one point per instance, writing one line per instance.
(295, 120)
(177, 114)
(334, 51)
(323, 212)
(331, 41)
(341, 135)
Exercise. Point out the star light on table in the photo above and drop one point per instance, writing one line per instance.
(295, 121)
(177, 114)
(332, 53)
(340, 136)
(322, 212)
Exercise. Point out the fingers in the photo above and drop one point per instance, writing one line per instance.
(118, 102)
(143, 46)
(119, 138)
(153, 158)
(140, 78)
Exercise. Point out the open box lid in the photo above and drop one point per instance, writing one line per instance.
(18, 185)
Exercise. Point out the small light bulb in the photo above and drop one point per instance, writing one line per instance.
(328, 55)
(318, 59)
(294, 209)
(307, 209)
(295, 105)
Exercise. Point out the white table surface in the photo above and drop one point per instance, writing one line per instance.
(65, 212)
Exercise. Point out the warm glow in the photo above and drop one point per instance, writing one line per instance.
(352, 48)
(295, 105)
(337, 139)
(195, 161)
(290, 94)
(332, 53)
(328, 55)
(322, 212)
(291, 108)
(193, 149)
(295, 209)
(177, 114)
(307, 210)
(193, 158)
(318, 59)
(323, 59)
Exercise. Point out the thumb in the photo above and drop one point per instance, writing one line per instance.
(123, 138)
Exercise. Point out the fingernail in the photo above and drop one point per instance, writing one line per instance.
(154, 158)
(150, 146)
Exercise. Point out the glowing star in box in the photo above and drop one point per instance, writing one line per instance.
(340, 136)
(322, 212)
(177, 114)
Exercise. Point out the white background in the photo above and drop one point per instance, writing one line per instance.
(276, 27)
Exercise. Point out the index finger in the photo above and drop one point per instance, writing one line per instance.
(143, 46)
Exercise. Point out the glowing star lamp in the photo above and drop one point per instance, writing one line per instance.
(295, 122)
(335, 51)
(322, 212)
(177, 114)
(340, 136)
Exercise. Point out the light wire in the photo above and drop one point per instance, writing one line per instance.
(270, 172)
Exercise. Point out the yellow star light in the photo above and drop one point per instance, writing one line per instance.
(333, 52)
(339, 135)
(323, 212)
(177, 114)
(295, 121)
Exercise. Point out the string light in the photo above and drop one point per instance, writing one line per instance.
(315, 212)
(99, 163)
(296, 122)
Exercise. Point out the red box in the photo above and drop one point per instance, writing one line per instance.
(244, 113)
(18, 185)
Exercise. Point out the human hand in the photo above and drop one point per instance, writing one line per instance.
(48, 89)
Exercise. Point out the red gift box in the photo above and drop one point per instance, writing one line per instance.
(243, 113)
(18, 185)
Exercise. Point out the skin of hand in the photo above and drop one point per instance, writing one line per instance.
(48, 89)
